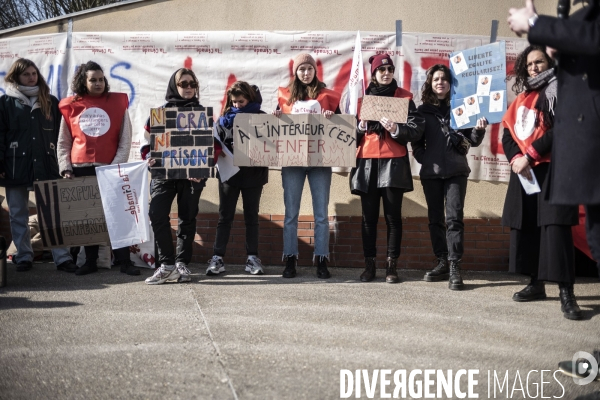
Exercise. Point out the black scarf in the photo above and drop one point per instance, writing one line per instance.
(546, 84)
(380, 90)
(174, 99)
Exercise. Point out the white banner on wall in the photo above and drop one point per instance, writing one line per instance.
(141, 63)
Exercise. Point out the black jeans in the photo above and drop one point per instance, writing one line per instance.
(392, 210)
(446, 231)
(592, 226)
(228, 197)
(163, 192)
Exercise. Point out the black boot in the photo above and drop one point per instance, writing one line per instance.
(290, 267)
(441, 272)
(322, 271)
(88, 267)
(369, 273)
(536, 290)
(128, 267)
(391, 275)
(568, 303)
(455, 281)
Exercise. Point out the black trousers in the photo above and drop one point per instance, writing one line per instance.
(446, 231)
(228, 198)
(392, 210)
(162, 192)
(592, 226)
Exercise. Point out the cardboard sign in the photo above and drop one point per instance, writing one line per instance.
(376, 107)
(294, 140)
(70, 212)
(181, 142)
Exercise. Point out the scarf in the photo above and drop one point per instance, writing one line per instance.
(173, 97)
(546, 84)
(27, 95)
(380, 90)
(226, 120)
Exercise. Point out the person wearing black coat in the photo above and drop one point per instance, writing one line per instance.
(248, 181)
(29, 125)
(541, 240)
(383, 170)
(444, 172)
(574, 178)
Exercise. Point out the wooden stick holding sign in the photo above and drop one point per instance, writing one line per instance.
(294, 140)
(181, 142)
(376, 107)
(70, 212)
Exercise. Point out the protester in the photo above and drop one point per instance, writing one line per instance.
(29, 124)
(249, 181)
(541, 241)
(382, 170)
(95, 130)
(442, 153)
(305, 94)
(182, 91)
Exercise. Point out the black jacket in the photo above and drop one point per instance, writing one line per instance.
(27, 142)
(393, 172)
(512, 215)
(435, 152)
(575, 177)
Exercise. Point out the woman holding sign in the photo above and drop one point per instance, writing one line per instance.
(95, 130)
(382, 170)
(29, 122)
(182, 91)
(442, 153)
(541, 241)
(306, 94)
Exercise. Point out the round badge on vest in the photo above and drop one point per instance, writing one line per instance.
(94, 122)
(525, 123)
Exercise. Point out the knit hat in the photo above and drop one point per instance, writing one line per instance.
(379, 60)
(303, 58)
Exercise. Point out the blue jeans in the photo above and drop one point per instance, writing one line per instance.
(319, 179)
(18, 209)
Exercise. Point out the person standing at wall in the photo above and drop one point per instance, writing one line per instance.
(442, 153)
(82, 145)
(305, 94)
(382, 170)
(249, 181)
(29, 125)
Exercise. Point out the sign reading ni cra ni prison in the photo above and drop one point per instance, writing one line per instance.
(70, 212)
(181, 142)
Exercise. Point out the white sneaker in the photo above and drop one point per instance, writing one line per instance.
(254, 266)
(184, 272)
(215, 266)
(163, 275)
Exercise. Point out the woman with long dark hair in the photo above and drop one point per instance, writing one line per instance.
(541, 241)
(83, 145)
(442, 153)
(29, 124)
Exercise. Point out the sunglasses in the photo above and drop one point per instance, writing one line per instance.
(384, 69)
(186, 84)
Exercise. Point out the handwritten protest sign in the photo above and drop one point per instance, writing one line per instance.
(376, 107)
(294, 140)
(478, 85)
(181, 142)
(70, 212)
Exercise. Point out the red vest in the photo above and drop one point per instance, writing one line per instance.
(328, 99)
(372, 147)
(520, 120)
(95, 125)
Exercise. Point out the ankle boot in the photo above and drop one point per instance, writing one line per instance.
(440, 272)
(536, 290)
(568, 303)
(455, 281)
(290, 267)
(369, 273)
(391, 275)
(322, 271)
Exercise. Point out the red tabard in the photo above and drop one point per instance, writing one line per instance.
(95, 125)
(328, 99)
(372, 147)
(520, 120)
